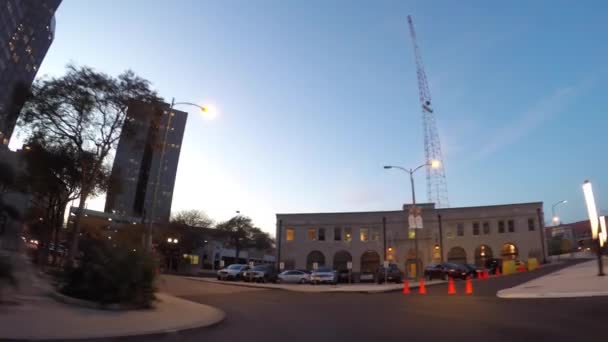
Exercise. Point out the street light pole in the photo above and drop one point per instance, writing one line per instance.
(148, 242)
(433, 164)
(554, 218)
(594, 220)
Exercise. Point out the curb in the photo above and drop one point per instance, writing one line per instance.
(329, 289)
(527, 295)
(219, 314)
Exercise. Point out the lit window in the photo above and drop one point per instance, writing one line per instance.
(411, 233)
(460, 229)
(192, 259)
(511, 225)
(321, 234)
(486, 228)
(531, 226)
(375, 234)
(290, 234)
(28, 49)
(337, 234)
(364, 234)
(348, 235)
(311, 234)
(501, 227)
(475, 228)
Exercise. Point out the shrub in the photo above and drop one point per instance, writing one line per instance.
(111, 275)
(7, 272)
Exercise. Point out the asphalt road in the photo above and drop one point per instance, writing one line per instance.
(274, 315)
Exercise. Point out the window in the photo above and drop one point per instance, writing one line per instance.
(501, 227)
(486, 228)
(348, 236)
(460, 229)
(475, 228)
(191, 259)
(337, 234)
(312, 234)
(531, 224)
(321, 234)
(290, 234)
(411, 233)
(375, 234)
(511, 225)
(364, 234)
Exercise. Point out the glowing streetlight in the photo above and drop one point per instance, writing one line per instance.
(434, 164)
(555, 217)
(594, 220)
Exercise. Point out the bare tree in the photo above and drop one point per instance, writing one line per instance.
(85, 110)
(192, 218)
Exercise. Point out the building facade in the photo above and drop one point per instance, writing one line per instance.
(27, 29)
(137, 162)
(366, 239)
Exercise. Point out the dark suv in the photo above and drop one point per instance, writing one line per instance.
(261, 274)
(444, 270)
(393, 273)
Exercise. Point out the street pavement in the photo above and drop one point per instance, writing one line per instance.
(273, 315)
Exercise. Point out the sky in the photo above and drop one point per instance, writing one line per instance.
(314, 97)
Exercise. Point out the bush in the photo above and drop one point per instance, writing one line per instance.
(7, 272)
(111, 275)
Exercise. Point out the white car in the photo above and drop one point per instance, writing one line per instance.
(294, 276)
(232, 272)
(324, 275)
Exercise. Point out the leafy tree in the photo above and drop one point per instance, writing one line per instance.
(243, 234)
(84, 110)
(192, 218)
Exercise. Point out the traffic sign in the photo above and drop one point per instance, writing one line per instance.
(281, 265)
(385, 263)
(315, 265)
(349, 265)
(251, 264)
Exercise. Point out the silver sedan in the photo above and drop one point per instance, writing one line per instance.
(294, 276)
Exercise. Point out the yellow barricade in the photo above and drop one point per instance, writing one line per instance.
(508, 267)
(532, 264)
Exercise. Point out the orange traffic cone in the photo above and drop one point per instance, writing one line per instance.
(486, 274)
(451, 288)
(421, 288)
(469, 286)
(406, 287)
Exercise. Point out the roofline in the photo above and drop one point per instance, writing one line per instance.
(400, 211)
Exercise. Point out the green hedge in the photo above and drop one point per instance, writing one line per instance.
(111, 275)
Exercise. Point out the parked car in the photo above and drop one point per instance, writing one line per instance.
(472, 270)
(324, 275)
(294, 276)
(343, 276)
(493, 264)
(444, 270)
(232, 272)
(261, 274)
(393, 273)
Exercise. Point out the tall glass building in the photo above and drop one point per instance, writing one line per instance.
(26, 32)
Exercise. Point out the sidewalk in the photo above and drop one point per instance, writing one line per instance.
(45, 318)
(580, 280)
(361, 288)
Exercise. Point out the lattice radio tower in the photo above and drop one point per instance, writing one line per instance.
(436, 184)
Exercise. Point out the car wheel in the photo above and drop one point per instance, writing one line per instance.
(302, 281)
(219, 278)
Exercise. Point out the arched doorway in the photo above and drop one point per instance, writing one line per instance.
(314, 256)
(457, 255)
(370, 262)
(436, 253)
(341, 258)
(483, 253)
(509, 251)
(411, 265)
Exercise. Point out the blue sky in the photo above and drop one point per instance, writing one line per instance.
(315, 96)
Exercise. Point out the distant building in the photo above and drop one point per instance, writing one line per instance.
(570, 237)
(136, 165)
(27, 29)
(366, 239)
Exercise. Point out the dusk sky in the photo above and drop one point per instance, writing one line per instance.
(314, 97)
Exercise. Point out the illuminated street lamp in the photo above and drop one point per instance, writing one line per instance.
(433, 164)
(594, 220)
(209, 112)
(555, 217)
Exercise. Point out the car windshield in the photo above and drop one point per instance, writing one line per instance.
(260, 268)
(235, 267)
(324, 269)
